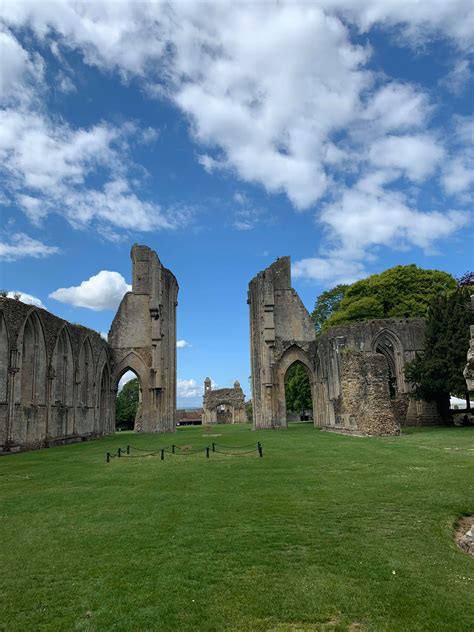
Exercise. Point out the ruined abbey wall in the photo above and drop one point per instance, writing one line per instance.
(143, 339)
(55, 380)
(356, 371)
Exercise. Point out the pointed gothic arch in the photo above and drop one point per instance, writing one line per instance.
(388, 344)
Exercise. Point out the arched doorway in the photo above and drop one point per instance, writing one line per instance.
(128, 402)
(294, 362)
(298, 395)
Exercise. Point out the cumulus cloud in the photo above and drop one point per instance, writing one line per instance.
(182, 343)
(189, 388)
(126, 377)
(25, 298)
(328, 271)
(46, 168)
(20, 245)
(294, 111)
(102, 291)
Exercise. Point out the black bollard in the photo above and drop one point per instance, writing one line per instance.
(260, 450)
(172, 448)
(162, 455)
(213, 447)
(207, 452)
(119, 452)
(128, 449)
(108, 457)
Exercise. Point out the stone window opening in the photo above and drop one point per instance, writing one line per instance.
(298, 393)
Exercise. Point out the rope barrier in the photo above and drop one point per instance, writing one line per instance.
(183, 451)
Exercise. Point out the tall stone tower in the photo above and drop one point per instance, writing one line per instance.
(143, 339)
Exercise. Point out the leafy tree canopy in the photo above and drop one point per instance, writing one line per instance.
(326, 304)
(438, 372)
(399, 292)
(298, 389)
(126, 405)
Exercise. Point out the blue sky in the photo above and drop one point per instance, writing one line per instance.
(225, 135)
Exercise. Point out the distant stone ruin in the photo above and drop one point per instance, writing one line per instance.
(356, 371)
(223, 405)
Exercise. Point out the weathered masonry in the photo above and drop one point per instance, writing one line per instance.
(55, 380)
(58, 381)
(223, 405)
(356, 372)
(143, 339)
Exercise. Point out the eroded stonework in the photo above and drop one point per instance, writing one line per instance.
(356, 371)
(223, 405)
(143, 339)
(55, 380)
(469, 370)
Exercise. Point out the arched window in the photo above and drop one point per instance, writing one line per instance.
(298, 396)
(4, 351)
(32, 363)
(388, 345)
(63, 366)
(86, 375)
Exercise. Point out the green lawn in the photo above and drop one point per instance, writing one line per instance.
(326, 532)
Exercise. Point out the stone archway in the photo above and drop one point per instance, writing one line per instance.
(134, 363)
(290, 357)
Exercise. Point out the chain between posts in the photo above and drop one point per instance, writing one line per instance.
(184, 451)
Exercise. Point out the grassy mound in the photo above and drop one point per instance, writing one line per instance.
(326, 532)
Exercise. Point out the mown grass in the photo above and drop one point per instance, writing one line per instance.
(326, 532)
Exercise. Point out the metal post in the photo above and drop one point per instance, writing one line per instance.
(172, 448)
(108, 457)
(162, 454)
(207, 452)
(119, 452)
(213, 447)
(260, 450)
(128, 449)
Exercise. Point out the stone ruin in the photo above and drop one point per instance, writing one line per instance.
(58, 381)
(223, 405)
(143, 339)
(356, 371)
(55, 380)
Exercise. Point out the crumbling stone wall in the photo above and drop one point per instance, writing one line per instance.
(53, 380)
(223, 405)
(143, 339)
(469, 370)
(282, 333)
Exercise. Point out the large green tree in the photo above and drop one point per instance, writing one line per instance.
(126, 405)
(298, 389)
(437, 373)
(399, 292)
(327, 303)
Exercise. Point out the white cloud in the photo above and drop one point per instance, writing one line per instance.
(182, 343)
(25, 298)
(416, 155)
(126, 377)
(20, 245)
(19, 71)
(104, 335)
(102, 291)
(328, 271)
(294, 111)
(189, 388)
(46, 168)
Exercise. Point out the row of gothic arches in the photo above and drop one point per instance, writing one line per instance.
(46, 392)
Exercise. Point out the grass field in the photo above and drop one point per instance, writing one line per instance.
(326, 532)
